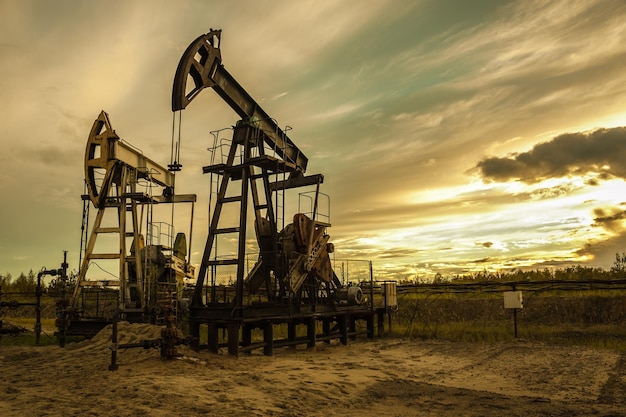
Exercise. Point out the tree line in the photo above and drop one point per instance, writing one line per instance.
(27, 283)
(574, 272)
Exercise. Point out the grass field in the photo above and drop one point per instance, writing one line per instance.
(585, 318)
(592, 318)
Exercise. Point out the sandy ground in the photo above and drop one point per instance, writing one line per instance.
(385, 377)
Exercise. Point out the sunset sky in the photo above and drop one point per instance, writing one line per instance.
(453, 136)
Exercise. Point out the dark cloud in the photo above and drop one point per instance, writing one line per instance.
(602, 251)
(609, 218)
(482, 261)
(600, 152)
(553, 192)
(397, 253)
(53, 155)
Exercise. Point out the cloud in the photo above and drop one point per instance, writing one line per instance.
(600, 153)
(601, 250)
(611, 218)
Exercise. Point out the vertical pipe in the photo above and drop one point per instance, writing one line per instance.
(38, 309)
(62, 305)
(312, 232)
(243, 217)
(371, 288)
(193, 205)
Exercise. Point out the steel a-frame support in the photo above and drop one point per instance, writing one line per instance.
(118, 198)
(246, 162)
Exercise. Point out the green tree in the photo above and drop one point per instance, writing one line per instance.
(619, 266)
(5, 282)
(25, 283)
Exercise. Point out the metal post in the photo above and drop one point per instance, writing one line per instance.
(371, 287)
(113, 366)
(38, 309)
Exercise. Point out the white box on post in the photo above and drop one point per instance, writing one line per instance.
(513, 299)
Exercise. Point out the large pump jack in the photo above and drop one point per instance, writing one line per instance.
(293, 278)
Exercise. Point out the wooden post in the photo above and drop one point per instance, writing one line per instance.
(291, 331)
(213, 338)
(326, 329)
(246, 335)
(233, 340)
(311, 332)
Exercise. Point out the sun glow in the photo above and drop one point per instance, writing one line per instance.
(613, 120)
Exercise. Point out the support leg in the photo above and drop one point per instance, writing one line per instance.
(246, 335)
(311, 332)
(268, 339)
(233, 340)
(370, 326)
(291, 332)
(381, 323)
(326, 329)
(343, 329)
(352, 327)
(194, 332)
(213, 338)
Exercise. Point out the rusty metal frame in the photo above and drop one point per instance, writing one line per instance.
(306, 286)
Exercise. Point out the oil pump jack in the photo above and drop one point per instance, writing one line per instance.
(292, 281)
(121, 183)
